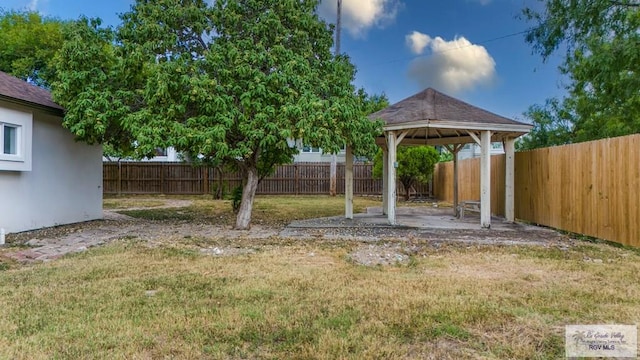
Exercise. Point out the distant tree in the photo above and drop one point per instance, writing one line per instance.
(445, 156)
(373, 103)
(601, 39)
(552, 125)
(415, 165)
(28, 41)
(231, 81)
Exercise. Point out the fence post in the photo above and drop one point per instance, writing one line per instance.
(296, 178)
(162, 185)
(119, 186)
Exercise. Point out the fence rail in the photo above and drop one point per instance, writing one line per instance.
(185, 179)
(590, 188)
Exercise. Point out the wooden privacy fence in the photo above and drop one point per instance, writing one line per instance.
(181, 178)
(469, 182)
(590, 188)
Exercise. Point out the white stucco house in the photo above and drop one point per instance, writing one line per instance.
(168, 154)
(306, 154)
(46, 177)
(311, 154)
(469, 151)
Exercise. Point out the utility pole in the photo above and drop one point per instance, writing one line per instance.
(338, 27)
(333, 170)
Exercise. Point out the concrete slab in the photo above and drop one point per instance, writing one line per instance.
(416, 217)
(430, 217)
(421, 222)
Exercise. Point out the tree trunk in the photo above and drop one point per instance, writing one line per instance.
(220, 188)
(243, 220)
(407, 190)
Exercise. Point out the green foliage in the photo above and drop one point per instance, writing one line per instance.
(97, 88)
(552, 125)
(230, 81)
(28, 42)
(372, 103)
(445, 156)
(602, 62)
(415, 165)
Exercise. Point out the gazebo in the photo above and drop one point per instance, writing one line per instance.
(433, 118)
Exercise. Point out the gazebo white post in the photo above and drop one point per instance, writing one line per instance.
(455, 182)
(455, 149)
(348, 183)
(385, 185)
(391, 177)
(485, 179)
(509, 188)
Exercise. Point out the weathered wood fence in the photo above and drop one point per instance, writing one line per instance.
(590, 188)
(181, 178)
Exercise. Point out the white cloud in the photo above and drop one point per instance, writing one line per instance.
(37, 5)
(358, 16)
(417, 41)
(33, 5)
(482, 2)
(452, 66)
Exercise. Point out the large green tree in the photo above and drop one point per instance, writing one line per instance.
(231, 82)
(28, 41)
(601, 44)
(415, 165)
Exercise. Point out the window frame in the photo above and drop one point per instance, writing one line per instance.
(22, 121)
(311, 150)
(17, 139)
(162, 152)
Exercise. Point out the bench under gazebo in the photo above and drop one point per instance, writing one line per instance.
(433, 118)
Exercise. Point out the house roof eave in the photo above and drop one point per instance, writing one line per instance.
(32, 105)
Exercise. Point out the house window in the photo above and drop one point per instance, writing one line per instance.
(314, 150)
(10, 138)
(160, 151)
(309, 149)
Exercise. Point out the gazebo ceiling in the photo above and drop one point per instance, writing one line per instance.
(433, 118)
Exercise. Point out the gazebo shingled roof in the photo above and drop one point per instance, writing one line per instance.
(431, 104)
(433, 117)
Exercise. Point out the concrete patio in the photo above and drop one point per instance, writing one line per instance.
(422, 222)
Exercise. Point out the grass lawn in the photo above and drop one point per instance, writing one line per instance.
(306, 299)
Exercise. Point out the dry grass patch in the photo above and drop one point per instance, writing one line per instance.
(131, 202)
(267, 210)
(307, 300)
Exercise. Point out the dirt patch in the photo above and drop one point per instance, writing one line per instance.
(226, 251)
(383, 254)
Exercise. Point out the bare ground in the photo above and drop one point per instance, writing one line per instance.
(371, 244)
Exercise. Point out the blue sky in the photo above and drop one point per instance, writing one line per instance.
(403, 46)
